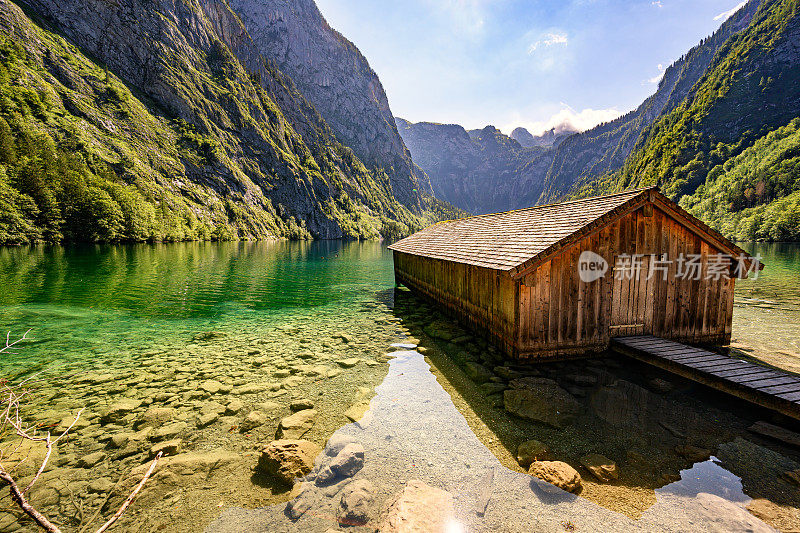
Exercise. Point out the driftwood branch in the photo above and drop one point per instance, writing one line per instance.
(11, 396)
(132, 496)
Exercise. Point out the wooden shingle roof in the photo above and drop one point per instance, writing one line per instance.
(513, 240)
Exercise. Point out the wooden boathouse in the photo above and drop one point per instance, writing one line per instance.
(533, 280)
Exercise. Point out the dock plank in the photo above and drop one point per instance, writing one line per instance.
(764, 386)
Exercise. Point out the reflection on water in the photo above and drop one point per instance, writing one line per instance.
(211, 347)
(413, 433)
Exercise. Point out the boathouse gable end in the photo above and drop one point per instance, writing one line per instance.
(559, 280)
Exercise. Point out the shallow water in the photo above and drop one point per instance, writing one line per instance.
(766, 315)
(192, 330)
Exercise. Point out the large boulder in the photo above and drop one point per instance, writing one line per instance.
(418, 508)
(296, 425)
(557, 473)
(601, 467)
(288, 459)
(541, 399)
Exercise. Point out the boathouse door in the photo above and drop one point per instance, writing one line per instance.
(630, 298)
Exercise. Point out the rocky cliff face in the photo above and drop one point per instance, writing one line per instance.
(334, 76)
(481, 171)
(192, 116)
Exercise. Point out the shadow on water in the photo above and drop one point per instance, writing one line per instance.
(654, 425)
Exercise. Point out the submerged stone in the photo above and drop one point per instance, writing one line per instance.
(557, 473)
(355, 506)
(601, 467)
(253, 420)
(417, 508)
(530, 451)
(296, 425)
(542, 400)
(288, 459)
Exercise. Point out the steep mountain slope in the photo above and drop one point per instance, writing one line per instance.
(749, 90)
(480, 171)
(334, 76)
(603, 149)
(186, 131)
(755, 195)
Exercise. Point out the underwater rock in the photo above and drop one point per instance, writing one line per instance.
(337, 443)
(541, 399)
(101, 485)
(305, 501)
(601, 467)
(691, 453)
(207, 419)
(155, 416)
(301, 404)
(792, 476)
(212, 407)
(476, 372)
(233, 407)
(530, 451)
(350, 362)
(417, 508)
(169, 447)
(253, 420)
(296, 425)
(288, 459)
(346, 464)
(168, 432)
(719, 514)
(493, 388)
(88, 461)
(119, 410)
(356, 504)
(660, 386)
(557, 473)
(209, 336)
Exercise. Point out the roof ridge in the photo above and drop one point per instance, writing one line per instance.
(568, 202)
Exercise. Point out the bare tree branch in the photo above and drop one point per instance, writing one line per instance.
(11, 396)
(19, 499)
(132, 496)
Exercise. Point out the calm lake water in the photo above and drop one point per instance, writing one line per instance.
(208, 346)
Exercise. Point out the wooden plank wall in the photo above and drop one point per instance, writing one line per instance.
(483, 299)
(561, 315)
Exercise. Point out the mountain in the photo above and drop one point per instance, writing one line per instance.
(603, 149)
(728, 151)
(480, 171)
(337, 80)
(159, 120)
(547, 139)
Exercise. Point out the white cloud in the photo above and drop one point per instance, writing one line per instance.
(725, 15)
(549, 39)
(567, 119)
(657, 3)
(657, 77)
(467, 16)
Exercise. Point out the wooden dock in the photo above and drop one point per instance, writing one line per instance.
(767, 387)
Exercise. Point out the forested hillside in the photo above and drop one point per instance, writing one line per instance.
(729, 150)
(172, 137)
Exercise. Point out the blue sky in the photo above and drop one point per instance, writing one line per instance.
(532, 63)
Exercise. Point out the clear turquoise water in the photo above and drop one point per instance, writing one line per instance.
(283, 315)
(94, 301)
